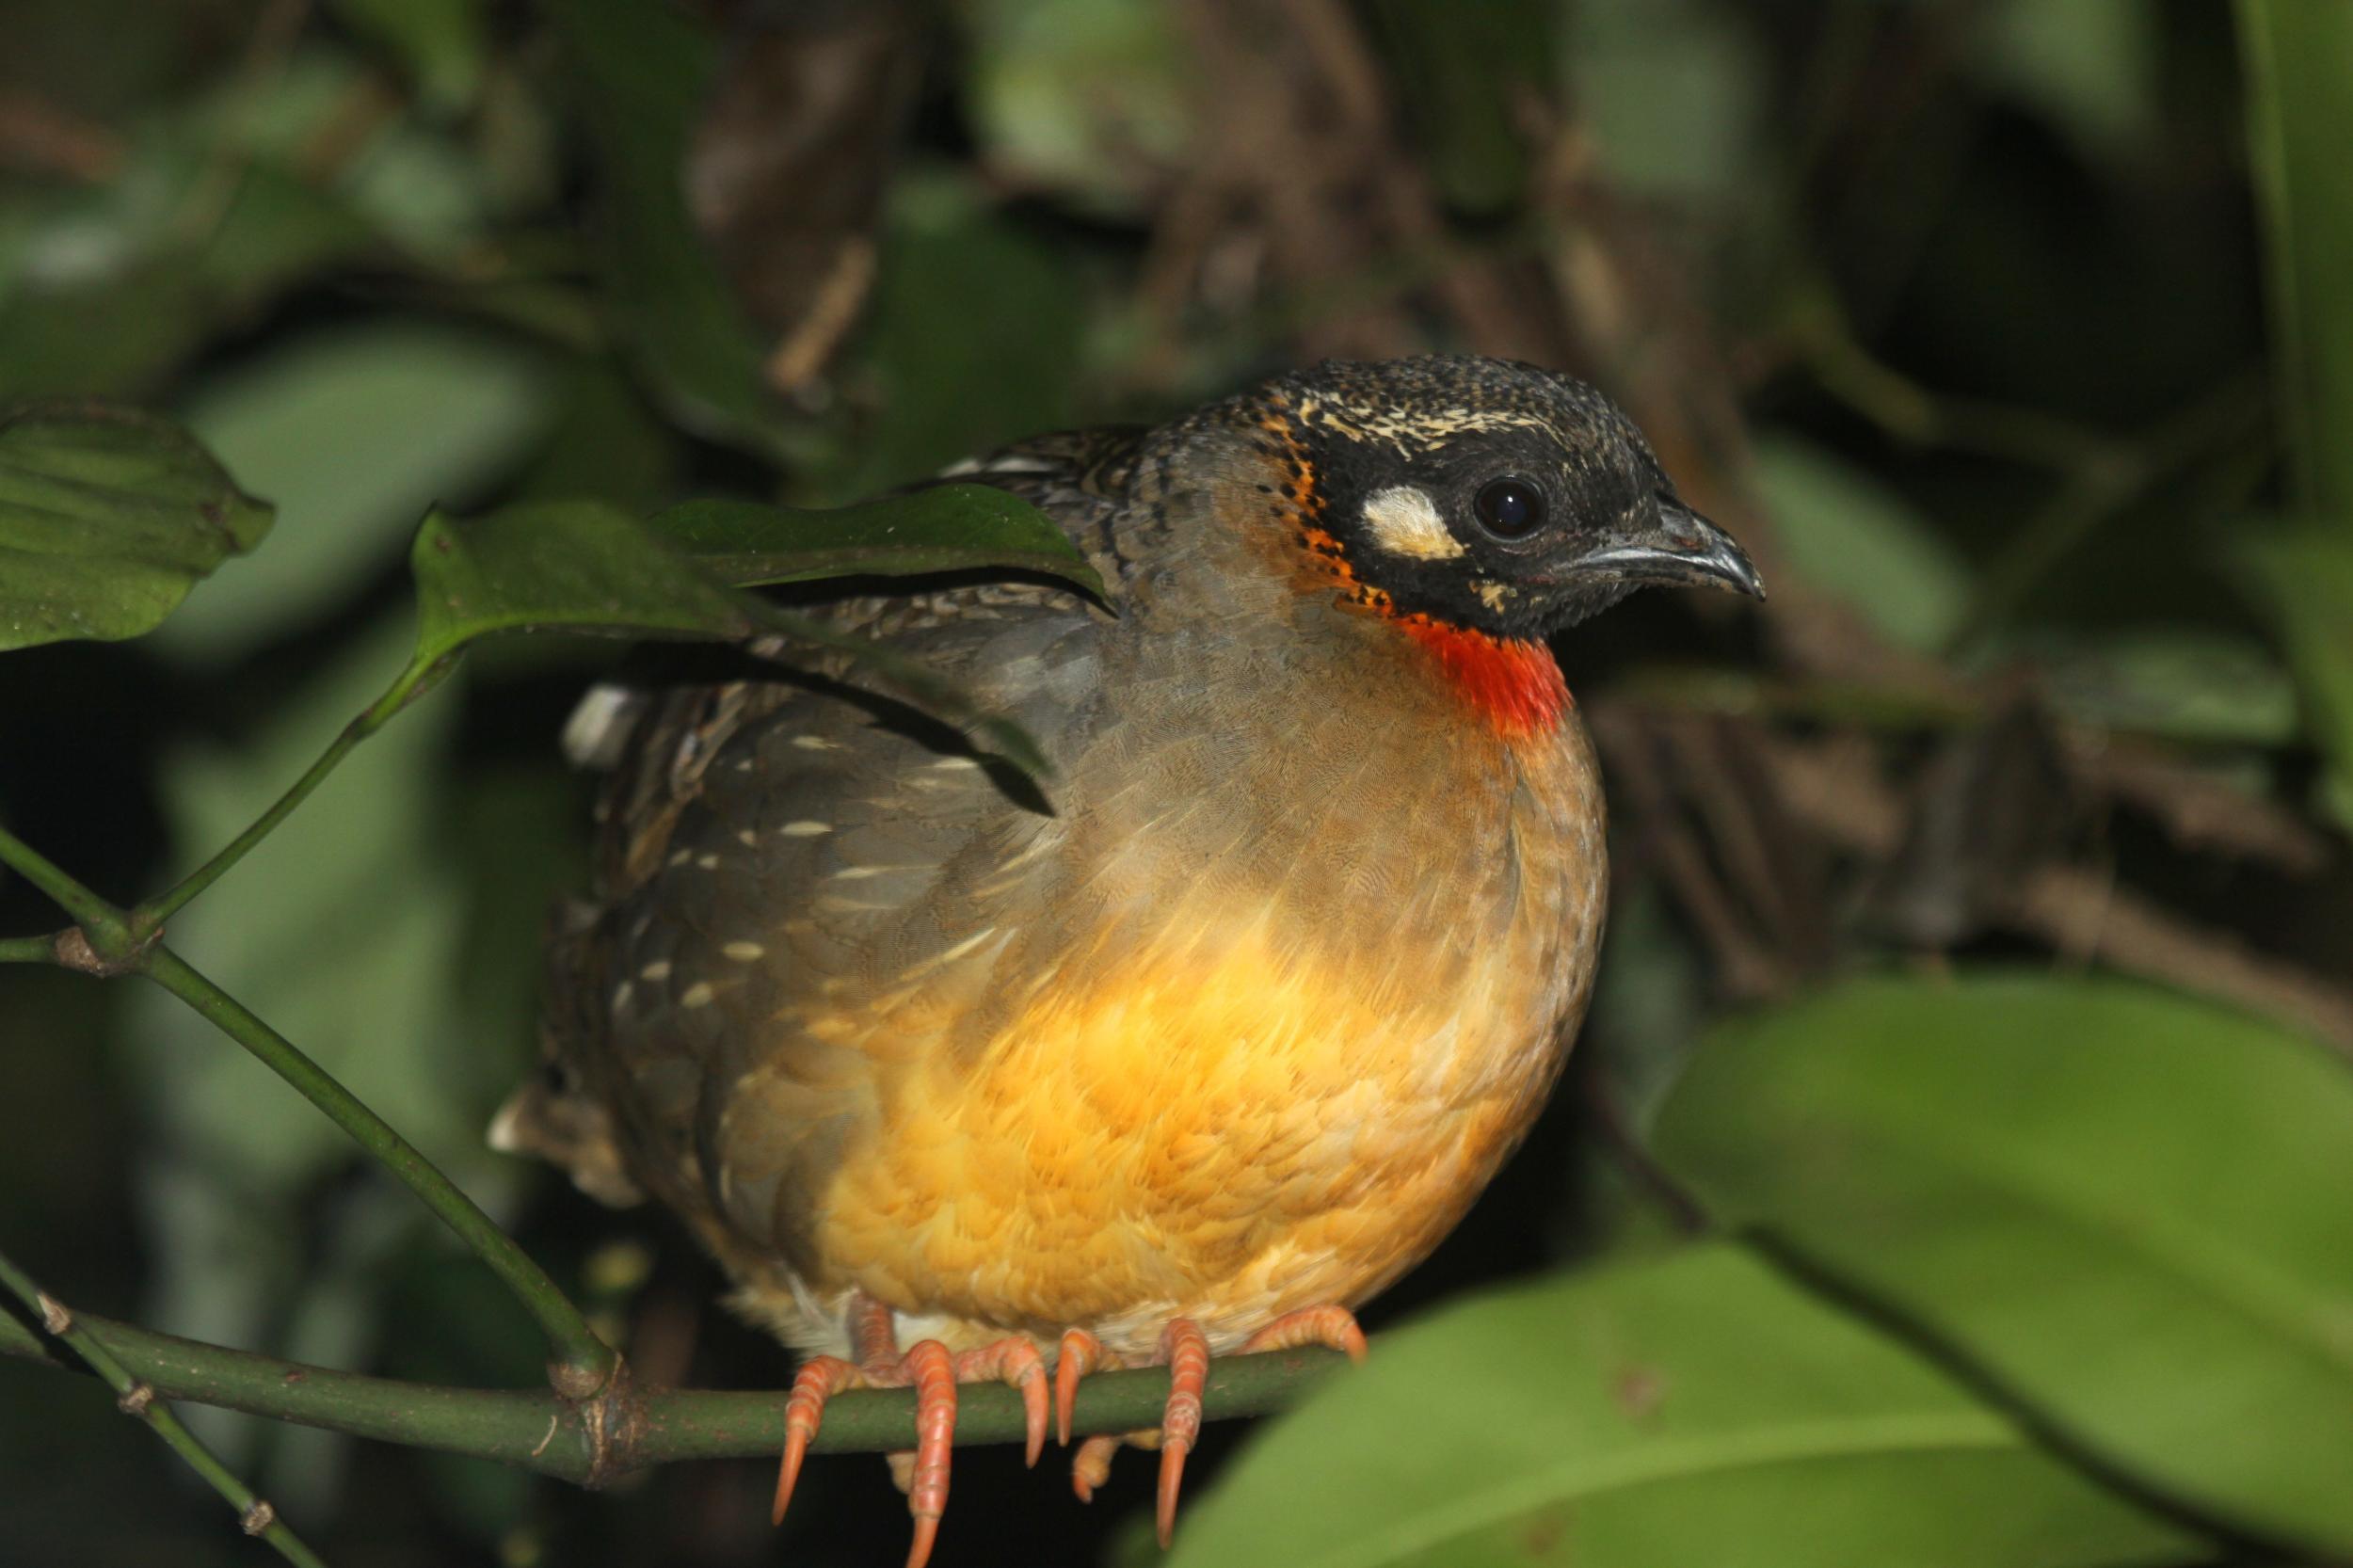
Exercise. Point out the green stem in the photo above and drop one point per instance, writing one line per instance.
(412, 683)
(29, 949)
(96, 916)
(584, 1362)
(139, 1396)
(1917, 416)
(542, 1432)
(155, 911)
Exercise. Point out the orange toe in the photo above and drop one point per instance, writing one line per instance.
(1017, 1364)
(1186, 1350)
(1334, 1326)
(933, 1372)
(1081, 1352)
(819, 1379)
(1092, 1465)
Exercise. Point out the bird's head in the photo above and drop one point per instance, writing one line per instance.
(1477, 495)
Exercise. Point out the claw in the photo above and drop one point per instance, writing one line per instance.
(926, 1531)
(923, 1474)
(1080, 1354)
(1186, 1350)
(1172, 1481)
(933, 1372)
(1332, 1325)
(818, 1381)
(1016, 1363)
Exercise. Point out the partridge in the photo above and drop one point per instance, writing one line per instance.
(1196, 1042)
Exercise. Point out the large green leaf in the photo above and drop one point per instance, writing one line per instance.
(2124, 1207)
(942, 528)
(2298, 56)
(586, 568)
(2305, 576)
(561, 566)
(2299, 121)
(108, 517)
(1694, 1409)
(1864, 542)
(1037, 70)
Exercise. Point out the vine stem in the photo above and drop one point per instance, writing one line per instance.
(581, 1364)
(633, 1428)
(29, 949)
(584, 1362)
(417, 677)
(139, 1396)
(156, 910)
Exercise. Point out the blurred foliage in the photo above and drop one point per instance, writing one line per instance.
(2012, 337)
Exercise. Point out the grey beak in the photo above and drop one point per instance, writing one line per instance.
(1683, 547)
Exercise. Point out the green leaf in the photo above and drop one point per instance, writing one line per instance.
(108, 517)
(356, 432)
(940, 528)
(441, 43)
(2092, 66)
(1698, 1408)
(2306, 576)
(1672, 90)
(2177, 682)
(1864, 542)
(561, 566)
(1039, 105)
(2121, 1207)
(586, 568)
(2300, 121)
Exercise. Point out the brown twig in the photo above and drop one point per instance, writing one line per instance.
(2083, 912)
(39, 138)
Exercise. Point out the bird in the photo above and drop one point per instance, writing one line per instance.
(1193, 1043)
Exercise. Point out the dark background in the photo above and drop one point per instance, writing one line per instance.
(1953, 311)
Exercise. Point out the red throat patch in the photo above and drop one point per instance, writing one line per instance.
(1514, 682)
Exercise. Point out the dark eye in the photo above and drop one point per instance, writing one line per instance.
(1509, 508)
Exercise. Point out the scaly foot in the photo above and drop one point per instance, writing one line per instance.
(1185, 1352)
(934, 1373)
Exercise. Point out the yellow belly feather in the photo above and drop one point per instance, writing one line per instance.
(1217, 1130)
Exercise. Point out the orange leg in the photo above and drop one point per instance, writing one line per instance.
(934, 1374)
(1185, 1352)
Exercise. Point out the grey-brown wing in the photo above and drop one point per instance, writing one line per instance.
(779, 861)
(1082, 479)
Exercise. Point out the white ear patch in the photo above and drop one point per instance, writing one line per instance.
(1405, 521)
